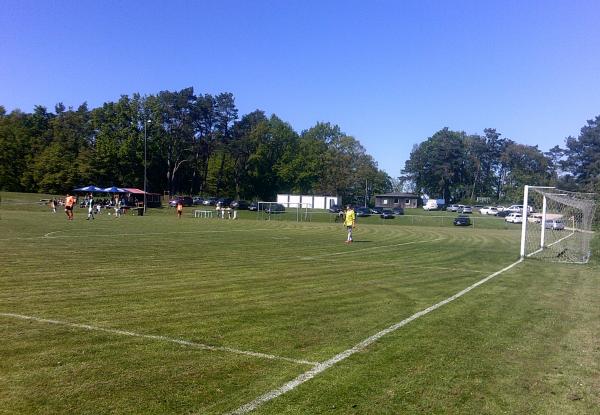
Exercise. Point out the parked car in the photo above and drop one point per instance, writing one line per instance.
(197, 200)
(431, 205)
(519, 208)
(465, 209)
(514, 217)
(377, 210)
(253, 206)
(462, 221)
(398, 211)
(275, 208)
(211, 201)
(362, 212)
(555, 224)
(452, 208)
(224, 202)
(335, 209)
(488, 210)
(387, 214)
(185, 201)
(240, 204)
(504, 213)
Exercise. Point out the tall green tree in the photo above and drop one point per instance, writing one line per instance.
(583, 156)
(439, 166)
(172, 130)
(59, 167)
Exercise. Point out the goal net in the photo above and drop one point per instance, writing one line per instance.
(557, 224)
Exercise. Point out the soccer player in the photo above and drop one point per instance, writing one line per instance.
(349, 222)
(69, 202)
(90, 207)
(179, 208)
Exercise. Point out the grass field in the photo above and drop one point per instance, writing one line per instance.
(155, 315)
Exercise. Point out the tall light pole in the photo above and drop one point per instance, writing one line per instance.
(145, 137)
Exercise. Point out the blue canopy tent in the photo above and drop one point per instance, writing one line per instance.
(91, 188)
(113, 189)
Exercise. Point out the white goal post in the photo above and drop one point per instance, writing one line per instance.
(557, 224)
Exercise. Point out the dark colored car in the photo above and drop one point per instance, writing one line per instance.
(462, 221)
(377, 210)
(185, 201)
(504, 213)
(224, 202)
(398, 211)
(198, 200)
(240, 204)
(211, 201)
(335, 209)
(387, 214)
(275, 208)
(362, 212)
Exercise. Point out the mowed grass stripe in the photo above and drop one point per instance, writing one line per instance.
(249, 290)
(258, 288)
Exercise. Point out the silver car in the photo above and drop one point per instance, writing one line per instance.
(555, 224)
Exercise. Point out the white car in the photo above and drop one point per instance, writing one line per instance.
(514, 217)
(488, 210)
(519, 208)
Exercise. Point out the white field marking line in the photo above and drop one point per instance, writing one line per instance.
(323, 366)
(403, 265)
(160, 338)
(308, 258)
(152, 233)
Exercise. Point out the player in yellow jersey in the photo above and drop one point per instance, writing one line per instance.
(349, 222)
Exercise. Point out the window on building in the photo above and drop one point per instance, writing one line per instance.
(385, 201)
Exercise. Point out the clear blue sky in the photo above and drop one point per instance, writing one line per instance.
(390, 73)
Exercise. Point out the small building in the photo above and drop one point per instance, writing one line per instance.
(308, 201)
(392, 200)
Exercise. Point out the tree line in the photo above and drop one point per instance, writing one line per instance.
(194, 144)
(199, 144)
(460, 167)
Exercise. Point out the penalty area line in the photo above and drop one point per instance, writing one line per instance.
(321, 367)
(160, 338)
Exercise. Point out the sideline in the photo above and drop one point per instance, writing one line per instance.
(321, 367)
(160, 338)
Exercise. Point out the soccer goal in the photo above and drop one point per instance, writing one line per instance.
(557, 224)
(274, 210)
